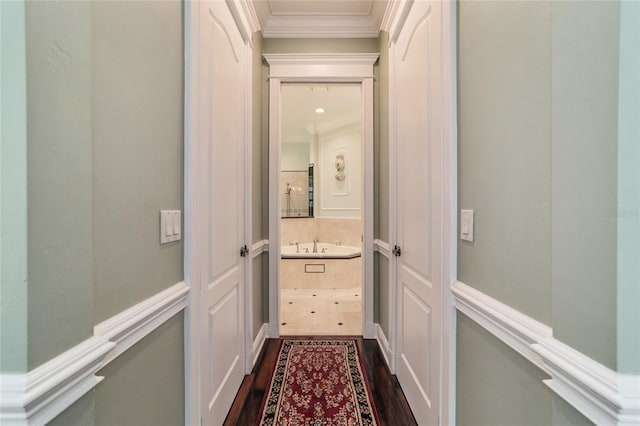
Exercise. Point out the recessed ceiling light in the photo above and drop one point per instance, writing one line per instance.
(319, 110)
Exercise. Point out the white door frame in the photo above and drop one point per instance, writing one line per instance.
(320, 68)
(247, 25)
(394, 22)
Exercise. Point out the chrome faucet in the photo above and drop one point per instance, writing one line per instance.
(315, 245)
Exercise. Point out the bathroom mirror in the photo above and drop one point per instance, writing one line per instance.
(321, 150)
(297, 194)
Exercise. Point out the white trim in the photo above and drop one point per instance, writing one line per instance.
(382, 247)
(248, 199)
(390, 13)
(449, 210)
(511, 326)
(383, 343)
(396, 22)
(37, 397)
(191, 227)
(600, 394)
(259, 247)
(131, 325)
(258, 343)
(274, 207)
(252, 16)
(320, 68)
(368, 329)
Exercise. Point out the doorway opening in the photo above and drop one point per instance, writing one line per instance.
(321, 187)
(322, 70)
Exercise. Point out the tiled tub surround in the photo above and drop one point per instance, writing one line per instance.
(321, 303)
(304, 230)
(306, 273)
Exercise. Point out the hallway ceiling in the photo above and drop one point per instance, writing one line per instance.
(320, 18)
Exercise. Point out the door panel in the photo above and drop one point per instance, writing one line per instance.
(221, 143)
(417, 62)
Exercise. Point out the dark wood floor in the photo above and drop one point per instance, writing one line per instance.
(388, 398)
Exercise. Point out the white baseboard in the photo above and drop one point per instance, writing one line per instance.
(258, 343)
(600, 394)
(37, 397)
(385, 347)
(131, 325)
(369, 330)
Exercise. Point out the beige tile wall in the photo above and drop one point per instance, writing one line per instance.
(338, 273)
(347, 231)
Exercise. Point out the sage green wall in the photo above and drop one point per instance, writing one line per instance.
(628, 361)
(59, 108)
(258, 294)
(105, 137)
(584, 159)
(81, 413)
(13, 189)
(138, 140)
(320, 45)
(504, 153)
(259, 175)
(381, 138)
(494, 384)
(381, 182)
(538, 96)
(143, 386)
(508, 389)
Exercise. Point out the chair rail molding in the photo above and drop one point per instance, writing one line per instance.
(382, 247)
(37, 397)
(602, 395)
(259, 247)
(131, 325)
(509, 325)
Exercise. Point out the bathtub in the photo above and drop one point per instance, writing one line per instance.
(331, 251)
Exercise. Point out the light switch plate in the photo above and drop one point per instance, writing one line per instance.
(466, 225)
(170, 226)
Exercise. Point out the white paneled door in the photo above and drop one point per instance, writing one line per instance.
(417, 79)
(221, 211)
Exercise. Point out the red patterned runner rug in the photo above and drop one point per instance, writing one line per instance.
(318, 382)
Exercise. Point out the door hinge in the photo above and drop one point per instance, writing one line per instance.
(397, 251)
(244, 251)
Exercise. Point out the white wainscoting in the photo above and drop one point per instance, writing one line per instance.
(37, 397)
(600, 394)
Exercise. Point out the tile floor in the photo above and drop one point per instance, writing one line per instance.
(321, 311)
